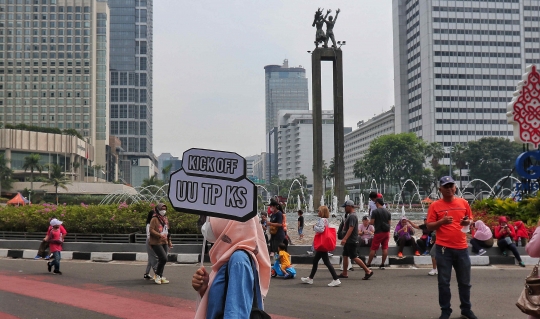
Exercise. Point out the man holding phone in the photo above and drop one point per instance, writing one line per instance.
(447, 216)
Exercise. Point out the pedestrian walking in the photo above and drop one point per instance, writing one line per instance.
(160, 241)
(152, 257)
(350, 242)
(55, 237)
(240, 267)
(380, 219)
(319, 227)
(43, 251)
(447, 216)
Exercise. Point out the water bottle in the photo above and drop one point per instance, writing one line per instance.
(466, 229)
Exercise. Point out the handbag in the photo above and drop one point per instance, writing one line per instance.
(255, 313)
(273, 230)
(529, 300)
(325, 241)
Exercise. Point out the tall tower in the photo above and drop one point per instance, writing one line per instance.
(53, 67)
(285, 89)
(456, 65)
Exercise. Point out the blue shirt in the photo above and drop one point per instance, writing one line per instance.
(239, 294)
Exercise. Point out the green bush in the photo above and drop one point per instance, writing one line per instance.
(105, 219)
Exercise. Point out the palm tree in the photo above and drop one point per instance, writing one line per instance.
(57, 179)
(166, 171)
(436, 151)
(153, 180)
(458, 155)
(31, 162)
(5, 174)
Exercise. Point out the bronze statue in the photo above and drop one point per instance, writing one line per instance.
(330, 29)
(318, 21)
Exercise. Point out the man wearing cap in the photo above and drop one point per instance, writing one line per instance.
(380, 218)
(277, 233)
(350, 241)
(447, 216)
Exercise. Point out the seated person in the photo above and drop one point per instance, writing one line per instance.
(424, 241)
(404, 232)
(505, 235)
(285, 262)
(482, 237)
(365, 231)
(521, 233)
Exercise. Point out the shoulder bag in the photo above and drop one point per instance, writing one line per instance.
(529, 300)
(256, 313)
(325, 241)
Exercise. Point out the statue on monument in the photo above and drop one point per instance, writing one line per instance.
(330, 29)
(318, 21)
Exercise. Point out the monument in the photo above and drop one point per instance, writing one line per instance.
(333, 54)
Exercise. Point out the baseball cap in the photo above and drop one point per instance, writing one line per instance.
(379, 195)
(55, 222)
(380, 201)
(348, 203)
(446, 180)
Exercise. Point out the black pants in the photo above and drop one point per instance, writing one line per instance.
(42, 252)
(161, 252)
(479, 244)
(326, 260)
(409, 242)
(503, 245)
(422, 245)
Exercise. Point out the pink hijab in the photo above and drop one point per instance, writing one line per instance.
(482, 231)
(231, 236)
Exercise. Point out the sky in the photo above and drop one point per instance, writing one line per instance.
(209, 58)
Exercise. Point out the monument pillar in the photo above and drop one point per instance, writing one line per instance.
(336, 57)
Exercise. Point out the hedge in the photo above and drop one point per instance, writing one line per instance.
(104, 219)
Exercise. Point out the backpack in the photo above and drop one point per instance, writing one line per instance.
(340, 232)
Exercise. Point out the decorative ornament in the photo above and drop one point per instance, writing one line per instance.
(524, 109)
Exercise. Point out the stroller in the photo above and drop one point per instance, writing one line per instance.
(277, 272)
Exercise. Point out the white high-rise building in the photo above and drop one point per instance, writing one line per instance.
(295, 142)
(457, 63)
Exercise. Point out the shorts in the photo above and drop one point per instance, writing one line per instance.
(433, 251)
(300, 230)
(380, 239)
(349, 250)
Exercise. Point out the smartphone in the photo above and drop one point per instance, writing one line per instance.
(466, 218)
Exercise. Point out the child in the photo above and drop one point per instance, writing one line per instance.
(285, 262)
(264, 220)
(55, 238)
(300, 224)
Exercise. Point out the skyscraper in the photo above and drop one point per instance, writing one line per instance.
(131, 76)
(285, 89)
(53, 66)
(457, 63)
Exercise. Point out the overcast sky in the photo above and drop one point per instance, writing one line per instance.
(209, 59)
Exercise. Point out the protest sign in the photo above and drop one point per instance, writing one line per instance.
(213, 183)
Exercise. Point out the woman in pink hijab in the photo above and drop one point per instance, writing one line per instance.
(482, 238)
(240, 266)
(533, 249)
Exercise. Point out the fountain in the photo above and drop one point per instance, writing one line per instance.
(150, 193)
(310, 208)
(299, 204)
(301, 190)
(322, 200)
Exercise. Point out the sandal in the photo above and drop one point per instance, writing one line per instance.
(367, 276)
(342, 276)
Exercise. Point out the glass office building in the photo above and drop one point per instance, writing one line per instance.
(131, 76)
(53, 66)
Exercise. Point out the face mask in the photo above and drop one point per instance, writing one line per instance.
(162, 212)
(208, 233)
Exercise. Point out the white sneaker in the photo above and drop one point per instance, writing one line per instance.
(481, 252)
(164, 280)
(330, 254)
(433, 272)
(158, 280)
(310, 253)
(334, 283)
(307, 280)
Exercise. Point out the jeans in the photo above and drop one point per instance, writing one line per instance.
(56, 261)
(326, 260)
(478, 244)
(152, 258)
(459, 259)
(503, 245)
(161, 252)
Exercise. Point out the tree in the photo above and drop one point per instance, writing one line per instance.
(97, 167)
(436, 151)
(152, 181)
(5, 174)
(31, 162)
(57, 179)
(394, 158)
(488, 156)
(458, 155)
(166, 171)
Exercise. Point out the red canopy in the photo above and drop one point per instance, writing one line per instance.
(427, 200)
(18, 200)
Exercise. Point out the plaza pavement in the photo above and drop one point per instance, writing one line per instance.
(116, 290)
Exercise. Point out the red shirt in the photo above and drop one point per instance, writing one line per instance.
(56, 239)
(450, 235)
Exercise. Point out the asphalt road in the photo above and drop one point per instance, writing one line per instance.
(117, 290)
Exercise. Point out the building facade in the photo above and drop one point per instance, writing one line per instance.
(295, 143)
(357, 143)
(259, 168)
(457, 63)
(131, 75)
(53, 66)
(285, 89)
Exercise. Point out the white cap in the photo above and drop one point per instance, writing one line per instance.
(55, 222)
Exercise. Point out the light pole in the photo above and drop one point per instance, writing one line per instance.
(450, 163)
